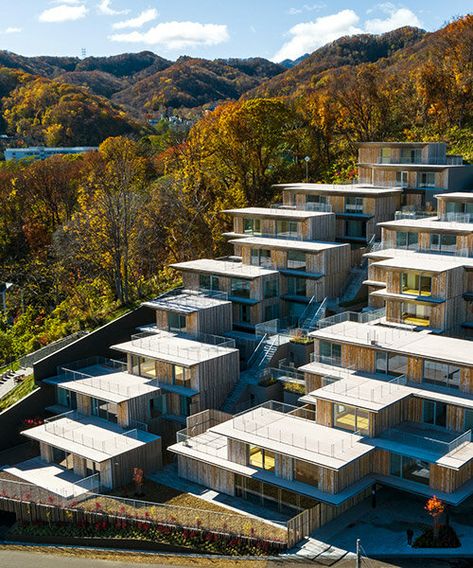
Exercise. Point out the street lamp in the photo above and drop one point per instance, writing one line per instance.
(307, 160)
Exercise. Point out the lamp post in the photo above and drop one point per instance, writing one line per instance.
(307, 160)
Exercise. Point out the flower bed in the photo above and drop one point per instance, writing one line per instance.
(142, 531)
(447, 538)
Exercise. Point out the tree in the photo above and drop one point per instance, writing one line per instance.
(435, 508)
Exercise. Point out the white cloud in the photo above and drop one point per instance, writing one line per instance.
(308, 36)
(12, 30)
(306, 8)
(177, 35)
(145, 17)
(63, 13)
(397, 19)
(105, 8)
(70, 2)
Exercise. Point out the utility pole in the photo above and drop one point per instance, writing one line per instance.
(358, 553)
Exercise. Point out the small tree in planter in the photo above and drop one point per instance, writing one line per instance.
(435, 507)
(138, 480)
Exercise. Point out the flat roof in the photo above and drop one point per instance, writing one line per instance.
(186, 301)
(422, 261)
(277, 212)
(172, 348)
(293, 436)
(306, 246)
(224, 268)
(429, 223)
(363, 392)
(456, 196)
(364, 190)
(407, 144)
(114, 387)
(420, 344)
(90, 437)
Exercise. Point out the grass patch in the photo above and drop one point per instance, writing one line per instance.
(26, 386)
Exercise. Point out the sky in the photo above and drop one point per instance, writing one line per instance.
(274, 29)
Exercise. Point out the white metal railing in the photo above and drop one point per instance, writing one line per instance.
(162, 343)
(358, 317)
(453, 217)
(263, 424)
(367, 390)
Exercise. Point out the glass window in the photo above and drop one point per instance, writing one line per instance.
(353, 204)
(426, 179)
(252, 226)
(330, 353)
(176, 322)
(385, 156)
(406, 240)
(271, 288)
(411, 156)
(66, 398)
(306, 473)
(244, 313)
(241, 288)
(316, 199)
(416, 284)
(443, 242)
(296, 260)
(441, 374)
(434, 413)
(410, 468)
(286, 228)
(351, 418)
(414, 314)
(468, 419)
(185, 405)
(261, 459)
(296, 286)
(181, 376)
(271, 312)
(102, 409)
(147, 367)
(401, 178)
(391, 364)
(355, 229)
(209, 282)
(261, 257)
(158, 406)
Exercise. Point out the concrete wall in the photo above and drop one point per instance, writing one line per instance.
(95, 343)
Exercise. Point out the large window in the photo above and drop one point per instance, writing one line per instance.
(185, 405)
(468, 419)
(391, 364)
(353, 205)
(271, 312)
(411, 469)
(209, 282)
(351, 418)
(158, 406)
(260, 458)
(261, 257)
(271, 288)
(402, 178)
(286, 228)
(143, 366)
(416, 314)
(102, 409)
(411, 156)
(66, 398)
(176, 322)
(426, 179)
(416, 284)
(244, 313)
(181, 376)
(241, 288)
(406, 240)
(330, 353)
(316, 199)
(385, 156)
(355, 229)
(296, 286)
(454, 207)
(306, 473)
(443, 242)
(441, 374)
(296, 260)
(251, 226)
(434, 413)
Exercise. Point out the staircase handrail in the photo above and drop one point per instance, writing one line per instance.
(253, 355)
(303, 316)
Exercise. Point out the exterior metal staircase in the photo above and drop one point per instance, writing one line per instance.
(312, 314)
(257, 363)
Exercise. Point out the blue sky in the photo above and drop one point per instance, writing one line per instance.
(275, 29)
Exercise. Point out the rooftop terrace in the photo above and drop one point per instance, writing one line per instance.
(358, 189)
(283, 213)
(284, 244)
(188, 301)
(224, 268)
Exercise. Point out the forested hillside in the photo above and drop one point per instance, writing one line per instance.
(84, 236)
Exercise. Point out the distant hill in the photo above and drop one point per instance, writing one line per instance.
(349, 50)
(37, 110)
